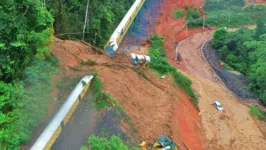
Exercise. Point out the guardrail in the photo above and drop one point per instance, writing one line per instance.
(54, 128)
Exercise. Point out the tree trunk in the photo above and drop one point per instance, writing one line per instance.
(86, 19)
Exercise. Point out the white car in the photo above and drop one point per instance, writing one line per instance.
(218, 106)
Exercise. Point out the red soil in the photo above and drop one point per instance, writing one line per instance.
(255, 1)
(173, 30)
(156, 107)
(261, 2)
(186, 122)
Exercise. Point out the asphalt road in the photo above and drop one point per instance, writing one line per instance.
(80, 126)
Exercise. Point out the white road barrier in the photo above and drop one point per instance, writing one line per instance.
(54, 128)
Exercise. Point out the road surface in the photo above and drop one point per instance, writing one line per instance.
(80, 126)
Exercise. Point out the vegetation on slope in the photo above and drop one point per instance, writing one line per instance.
(179, 13)
(193, 17)
(25, 70)
(114, 143)
(99, 95)
(220, 5)
(244, 50)
(104, 100)
(232, 13)
(161, 65)
(103, 17)
(255, 111)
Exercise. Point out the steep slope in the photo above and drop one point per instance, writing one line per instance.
(156, 106)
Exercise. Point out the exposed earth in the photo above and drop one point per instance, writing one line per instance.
(255, 1)
(232, 129)
(157, 106)
(154, 105)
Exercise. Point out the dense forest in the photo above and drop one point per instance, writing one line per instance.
(230, 13)
(244, 51)
(103, 17)
(27, 28)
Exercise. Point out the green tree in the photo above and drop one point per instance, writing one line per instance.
(24, 29)
(115, 143)
(25, 33)
(244, 50)
(178, 13)
(195, 13)
(104, 16)
(219, 38)
(261, 29)
(258, 67)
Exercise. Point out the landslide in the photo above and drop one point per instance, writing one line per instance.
(232, 129)
(156, 106)
(172, 29)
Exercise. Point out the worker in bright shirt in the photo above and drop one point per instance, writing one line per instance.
(222, 64)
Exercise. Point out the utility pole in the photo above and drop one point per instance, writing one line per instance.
(229, 18)
(203, 25)
(186, 28)
(86, 19)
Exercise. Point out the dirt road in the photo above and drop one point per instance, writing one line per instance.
(232, 129)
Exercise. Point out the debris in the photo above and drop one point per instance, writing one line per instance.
(162, 77)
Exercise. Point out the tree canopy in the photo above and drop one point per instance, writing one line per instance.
(26, 30)
(26, 66)
(244, 50)
(103, 18)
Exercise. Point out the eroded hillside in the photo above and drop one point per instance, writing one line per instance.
(156, 106)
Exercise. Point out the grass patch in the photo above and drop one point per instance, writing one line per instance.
(83, 148)
(102, 143)
(255, 111)
(89, 62)
(179, 13)
(160, 64)
(60, 82)
(104, 100)
(99, 96)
